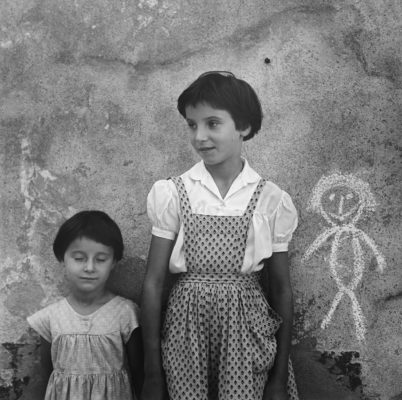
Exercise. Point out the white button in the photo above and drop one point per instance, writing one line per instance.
(86, 324)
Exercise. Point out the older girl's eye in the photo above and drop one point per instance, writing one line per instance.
(192, 125)
(212, 124)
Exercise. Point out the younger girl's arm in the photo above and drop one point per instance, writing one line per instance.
(280, 297)
(151, 306)
(46, 362)
(135, 358)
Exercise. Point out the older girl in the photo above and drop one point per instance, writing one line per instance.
(217, 226)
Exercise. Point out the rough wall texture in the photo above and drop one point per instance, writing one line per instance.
(88, 120)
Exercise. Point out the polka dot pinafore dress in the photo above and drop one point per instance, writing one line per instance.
(218, 337)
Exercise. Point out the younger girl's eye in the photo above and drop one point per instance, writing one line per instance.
(79, 259)
(212, 124)
(191, 125)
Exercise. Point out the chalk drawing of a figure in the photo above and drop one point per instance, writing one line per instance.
(341, 200)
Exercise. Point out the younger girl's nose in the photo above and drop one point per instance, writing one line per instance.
(89, 266)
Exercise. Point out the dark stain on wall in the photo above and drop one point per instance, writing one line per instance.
(126, 279)
(11, 143)
(326, 375)
(40, 136)
(344, 366)
(393, 297)
(14, 391)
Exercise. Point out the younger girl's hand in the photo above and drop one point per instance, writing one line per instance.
(274, 391)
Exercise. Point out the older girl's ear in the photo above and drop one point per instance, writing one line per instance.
(245, 132)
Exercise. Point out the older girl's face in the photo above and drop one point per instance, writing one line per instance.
(214, 135)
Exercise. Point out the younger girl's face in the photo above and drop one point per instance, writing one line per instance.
(88, 265)
(214, 135)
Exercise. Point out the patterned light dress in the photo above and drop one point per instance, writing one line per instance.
(218, 336)
(88, 350)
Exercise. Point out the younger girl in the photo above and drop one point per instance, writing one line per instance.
(90, 340)
(218, 225)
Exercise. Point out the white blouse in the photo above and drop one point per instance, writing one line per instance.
(271, 228)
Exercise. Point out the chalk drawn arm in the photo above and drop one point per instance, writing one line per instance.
(318, 242)
(380, 259)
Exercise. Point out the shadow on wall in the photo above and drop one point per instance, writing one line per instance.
(326, 375)
(16, 380)
(127, 278)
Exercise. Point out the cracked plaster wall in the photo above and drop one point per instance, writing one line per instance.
(88, 120)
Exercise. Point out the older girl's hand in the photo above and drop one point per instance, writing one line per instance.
(275, 391)
(154, 389)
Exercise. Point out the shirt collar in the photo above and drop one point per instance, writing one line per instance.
(247, 175)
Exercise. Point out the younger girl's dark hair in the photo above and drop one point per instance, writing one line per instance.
(92, 224)
(223, 91)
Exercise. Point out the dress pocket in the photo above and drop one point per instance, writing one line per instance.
(263, 325)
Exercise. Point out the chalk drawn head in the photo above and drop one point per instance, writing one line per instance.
(341, 199)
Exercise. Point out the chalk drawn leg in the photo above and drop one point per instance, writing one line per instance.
(331, 311)
(333, 263)
(358, 267)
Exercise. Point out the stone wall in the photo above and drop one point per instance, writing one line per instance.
(88, 120)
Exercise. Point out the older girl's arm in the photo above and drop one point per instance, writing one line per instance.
(151, 307)
(280, 298)
(135, 356)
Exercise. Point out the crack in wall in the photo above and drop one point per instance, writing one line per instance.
(388, 69)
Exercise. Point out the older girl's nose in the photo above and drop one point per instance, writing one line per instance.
(200, 134)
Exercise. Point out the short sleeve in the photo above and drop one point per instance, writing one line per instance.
(40, 322)
(129, 319)
(163, 209)
(283, 223)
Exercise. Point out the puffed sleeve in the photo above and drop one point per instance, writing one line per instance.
(129, 319)
(283, 223)
(163, 209)
(40, 322)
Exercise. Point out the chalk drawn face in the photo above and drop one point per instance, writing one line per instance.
(341, 199)
(341, 203)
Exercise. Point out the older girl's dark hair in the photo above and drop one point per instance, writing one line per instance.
(92, 224)
(223, 91)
